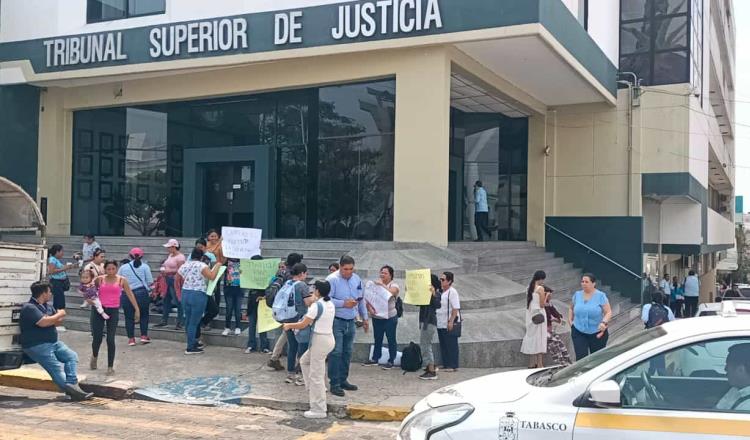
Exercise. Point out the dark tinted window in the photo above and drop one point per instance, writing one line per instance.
(105, 10)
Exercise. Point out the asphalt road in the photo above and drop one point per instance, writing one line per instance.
(32, 415)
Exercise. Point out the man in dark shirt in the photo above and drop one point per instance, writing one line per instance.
(39, 341)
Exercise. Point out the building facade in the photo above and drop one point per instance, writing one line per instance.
(367, 120)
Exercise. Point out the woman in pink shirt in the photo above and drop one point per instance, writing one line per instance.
(110, 287)
(168, 271)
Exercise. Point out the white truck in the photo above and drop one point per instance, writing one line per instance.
(20, 265)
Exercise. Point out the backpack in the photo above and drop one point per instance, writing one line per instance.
(272, 290)
(399, 307)
(657, 315)
(284, 309)
(411, 358)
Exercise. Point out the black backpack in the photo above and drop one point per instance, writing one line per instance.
(399, 307)
(411, 358)
(657, 315)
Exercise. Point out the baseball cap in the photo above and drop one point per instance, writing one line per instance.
(172, 243)
(136, 252)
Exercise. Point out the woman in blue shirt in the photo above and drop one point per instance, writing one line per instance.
(139, 277)
(58, 277)
(590, 313)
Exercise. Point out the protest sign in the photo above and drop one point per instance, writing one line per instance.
(240, 242)
(377, 297)
(212, 283)
(257, 274)
(418, 287)
(266, 323)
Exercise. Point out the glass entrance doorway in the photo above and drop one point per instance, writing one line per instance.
(229, 194)
(492, 149)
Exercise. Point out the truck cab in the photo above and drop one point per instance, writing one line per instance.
(20, 265)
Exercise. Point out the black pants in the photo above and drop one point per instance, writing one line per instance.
(585, 344)
(212, 307)
(677, 307)
(97, 331)
(448, 349)
(481, 222)
(58, 293)
(691, 306)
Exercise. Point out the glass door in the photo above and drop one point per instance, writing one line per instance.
(228, 198)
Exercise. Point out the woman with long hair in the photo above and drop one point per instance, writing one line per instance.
(138, 274)
(535, 341)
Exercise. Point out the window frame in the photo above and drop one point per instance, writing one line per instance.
(127, 15)
(678, 345)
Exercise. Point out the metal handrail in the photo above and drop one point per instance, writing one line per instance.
(590, 249)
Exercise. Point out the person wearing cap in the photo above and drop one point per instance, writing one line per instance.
(140, 280)
(168, 270)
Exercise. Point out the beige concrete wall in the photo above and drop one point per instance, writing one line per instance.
(422, 115)
(587, 169)
(665, 133)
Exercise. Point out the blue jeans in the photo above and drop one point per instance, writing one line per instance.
(252, 324)
(194, 304)
(387, 327)
(170, 300)
(448, 349)
(339, 359)
(294, 350)
(144, 301)
(233, 299)
(58, 360)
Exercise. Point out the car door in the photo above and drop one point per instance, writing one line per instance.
(672, 395)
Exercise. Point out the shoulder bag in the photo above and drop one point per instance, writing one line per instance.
(456, 331)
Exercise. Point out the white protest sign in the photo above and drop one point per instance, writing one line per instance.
(240, 242)
(377, 297)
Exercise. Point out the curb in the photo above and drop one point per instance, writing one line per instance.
(39, 380)
(370, 413)
(374, 413)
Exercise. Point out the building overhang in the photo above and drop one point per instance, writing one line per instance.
(537, 45)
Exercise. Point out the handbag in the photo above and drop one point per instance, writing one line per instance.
(303, 336)
(456, 330)
(66, 284)
(538, 318)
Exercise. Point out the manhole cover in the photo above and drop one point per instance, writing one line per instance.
(198, 390)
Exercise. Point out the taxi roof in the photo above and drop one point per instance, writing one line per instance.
(707, 324)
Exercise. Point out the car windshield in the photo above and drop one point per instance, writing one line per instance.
(556, 376)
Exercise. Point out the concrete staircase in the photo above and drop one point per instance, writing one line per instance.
(491, 279)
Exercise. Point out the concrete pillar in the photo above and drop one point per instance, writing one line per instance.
(536, 181)
(422, 148)
(55, 159)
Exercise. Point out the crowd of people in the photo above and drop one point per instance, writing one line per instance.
(318, 330)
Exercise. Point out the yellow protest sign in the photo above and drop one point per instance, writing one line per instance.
(257, 274)
(266, 323)
(418, 287)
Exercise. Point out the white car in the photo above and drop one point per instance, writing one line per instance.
(635, 389)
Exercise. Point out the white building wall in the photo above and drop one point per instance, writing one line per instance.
(680, 222)
(603, 26)
(720, 229)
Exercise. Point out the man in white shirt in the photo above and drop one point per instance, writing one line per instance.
(481, 211)
(665, 285)
(692, 293)
(738, 376)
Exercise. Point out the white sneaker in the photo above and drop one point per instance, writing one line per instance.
(237, 331)
(84, 305)
(225, 332)
(315, 415)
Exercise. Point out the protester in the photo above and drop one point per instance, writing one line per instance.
(347, 295)
(213, 247)
(194, 275)
(333, 267)
(385, 326)
(96, 267)
(168, 271)
(302, 299)
(535, 340)
(656, 313)
(320, 315)
(481, 211)
(677, 299)
(90, 292)
(233, 296)
(39, 341)
(112, 288)
(140, 280)
(58, 277)
(448, 323)
(428, 328)
(692, 293)
(555, 345)
(253, 299)
(282, 276)
(589, 316)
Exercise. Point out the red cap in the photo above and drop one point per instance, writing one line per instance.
(136, 252)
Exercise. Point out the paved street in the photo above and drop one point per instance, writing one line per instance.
(32, 415)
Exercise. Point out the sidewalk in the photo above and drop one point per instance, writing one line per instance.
(382, 395)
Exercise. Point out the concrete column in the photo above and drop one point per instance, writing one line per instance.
(422, 148)
(536, 181)
(55, 159)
